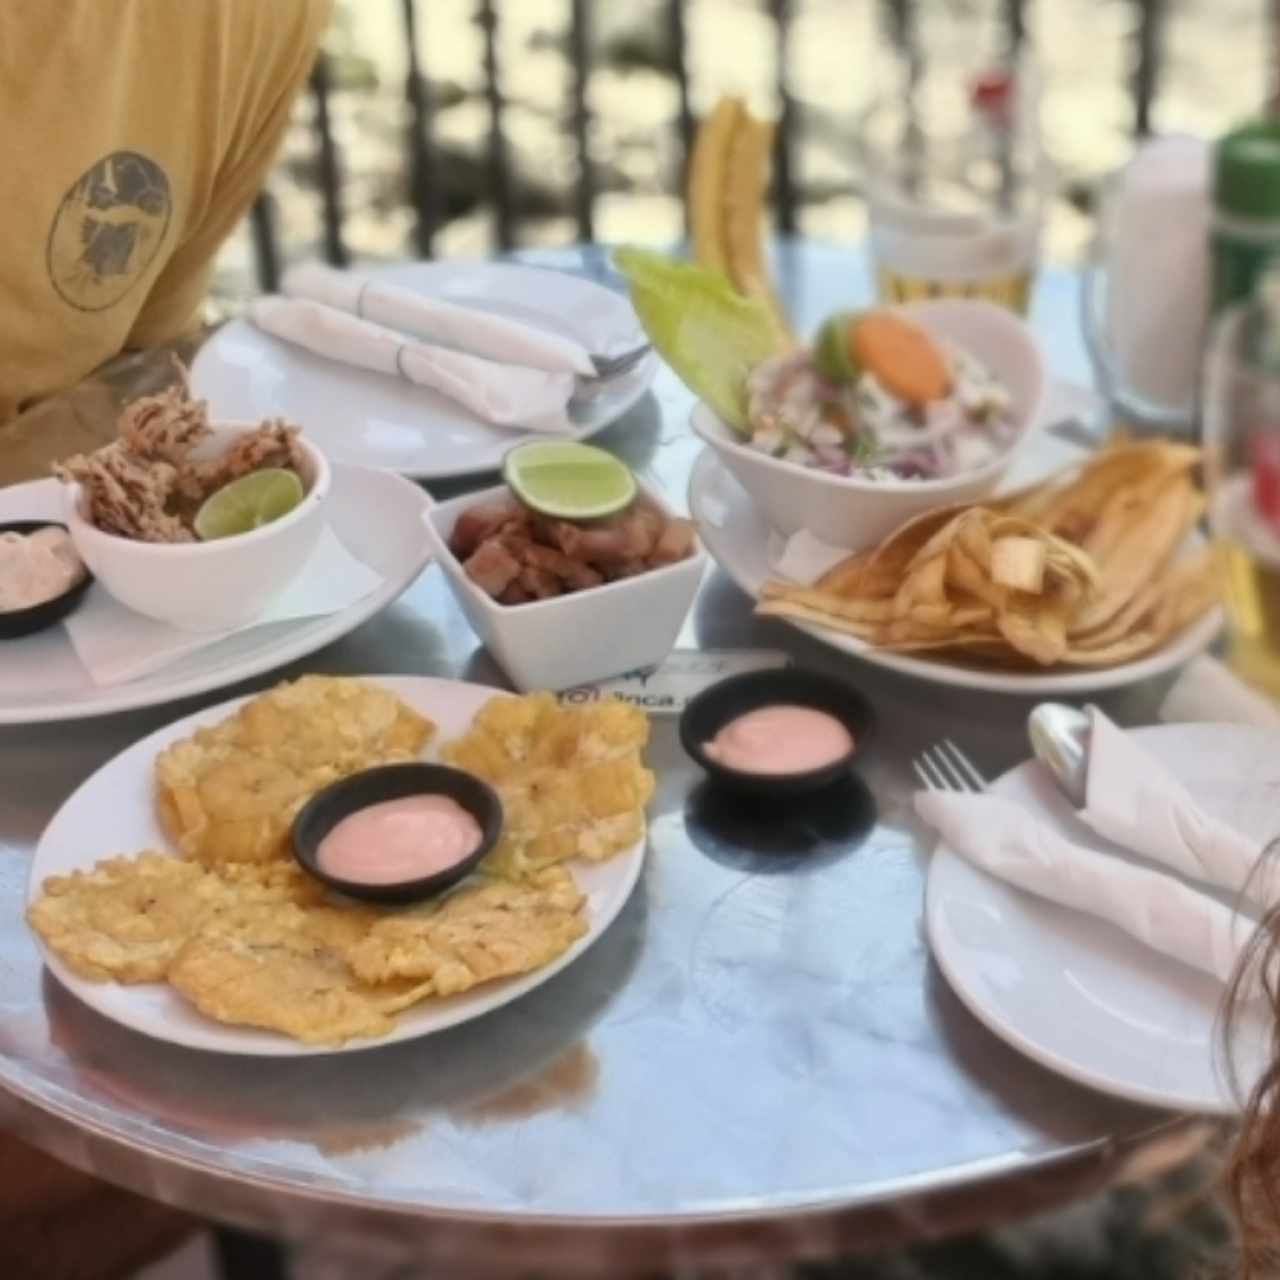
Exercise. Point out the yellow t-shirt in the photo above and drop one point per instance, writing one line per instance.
(137, 133)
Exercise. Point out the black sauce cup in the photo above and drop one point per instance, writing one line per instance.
(15, 623)
(716, 706)
(340, 799)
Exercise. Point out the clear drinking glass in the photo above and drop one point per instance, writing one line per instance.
(1241, 416)
(1145, 294)
(955, 182)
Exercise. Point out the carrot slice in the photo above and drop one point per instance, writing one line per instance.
(904, 358)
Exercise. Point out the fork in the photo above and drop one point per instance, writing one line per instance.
(609, 367)
(944, 767)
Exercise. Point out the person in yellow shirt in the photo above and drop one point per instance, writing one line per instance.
(136, 135)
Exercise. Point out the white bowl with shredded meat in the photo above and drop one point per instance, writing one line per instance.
(155, 568)
(857, 511)
(562, 603)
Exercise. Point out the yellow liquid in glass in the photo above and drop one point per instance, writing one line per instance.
(1010, 289)
(1251, 587)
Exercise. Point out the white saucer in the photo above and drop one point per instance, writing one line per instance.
(114, 811)
(374, 420)
(735, 533)
(1075, 993)
(377, 517)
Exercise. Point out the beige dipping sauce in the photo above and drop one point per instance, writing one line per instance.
(780, 739)
(35, 567)
(399, 840)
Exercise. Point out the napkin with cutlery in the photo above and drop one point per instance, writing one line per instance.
(1135, 803)
(508, 394)
(482, 333)
(1005, 840)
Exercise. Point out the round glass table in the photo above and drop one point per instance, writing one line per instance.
(758, 1059)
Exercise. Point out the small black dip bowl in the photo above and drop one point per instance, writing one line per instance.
(25, 622)
(713, 708)
(340, 799)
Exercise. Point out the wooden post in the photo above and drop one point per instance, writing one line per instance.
(266, 250)
(335, 251)
(424, 171)
(499, 165)
(677, 35)
(784, 187)
(580, 117)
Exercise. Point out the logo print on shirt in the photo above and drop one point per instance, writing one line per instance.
(108, 230)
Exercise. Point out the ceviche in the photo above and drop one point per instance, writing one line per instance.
(879, 398)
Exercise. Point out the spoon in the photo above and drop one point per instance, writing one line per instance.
(1060, 740)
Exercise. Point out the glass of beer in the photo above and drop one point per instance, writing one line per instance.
(955, 182)
(1241, 416)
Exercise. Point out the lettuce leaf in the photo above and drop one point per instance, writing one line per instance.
(708, 333)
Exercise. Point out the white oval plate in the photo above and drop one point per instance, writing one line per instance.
(736, 534)
(376, 516)
(1075, 993)
(373, 420)
(114, 811)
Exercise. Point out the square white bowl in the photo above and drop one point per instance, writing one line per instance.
(207, 586)
(572, 639)
(850, 512)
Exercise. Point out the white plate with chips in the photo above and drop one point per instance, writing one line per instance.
(737, 536)
(378, 519)
(1073, 992)
(114, 812)
(374, 420)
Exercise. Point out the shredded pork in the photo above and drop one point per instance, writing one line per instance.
(147, 484)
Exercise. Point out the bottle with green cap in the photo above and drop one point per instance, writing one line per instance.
(1245, 237)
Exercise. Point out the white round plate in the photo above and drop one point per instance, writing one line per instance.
(736, 534)
(374, 420)
(376, 516)
(114, 811)
(1075, 993)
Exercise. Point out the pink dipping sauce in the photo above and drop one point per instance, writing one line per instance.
(397, 840)
(780, 739)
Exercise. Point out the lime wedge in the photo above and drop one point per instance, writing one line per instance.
(567, 480)
(248, 503)
(831, 352)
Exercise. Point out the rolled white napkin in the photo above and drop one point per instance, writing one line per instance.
(508, 395)
(1004, 840)
(469, 329)
(1133, 800)
(1208, 690)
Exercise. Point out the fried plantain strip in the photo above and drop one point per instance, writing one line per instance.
(708, 171)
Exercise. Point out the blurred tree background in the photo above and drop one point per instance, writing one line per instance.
(1210, 61)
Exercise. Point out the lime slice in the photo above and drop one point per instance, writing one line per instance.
(831, 352)
(248, 503)
(568, 480)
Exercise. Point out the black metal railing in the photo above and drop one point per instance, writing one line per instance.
(423, 164)
(424, 168)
